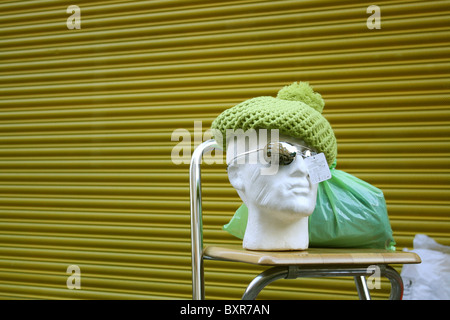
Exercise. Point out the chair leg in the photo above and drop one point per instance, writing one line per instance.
(388, 272)
(396, 283)
(284, 272)
(263, 279)
(361, 287)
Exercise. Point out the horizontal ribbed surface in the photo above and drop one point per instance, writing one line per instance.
(86, 118)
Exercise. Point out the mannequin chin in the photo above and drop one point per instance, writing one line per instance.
(279, 204)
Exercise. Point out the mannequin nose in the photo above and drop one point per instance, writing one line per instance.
(298, 167)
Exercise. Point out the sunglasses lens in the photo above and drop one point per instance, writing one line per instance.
(286, 152)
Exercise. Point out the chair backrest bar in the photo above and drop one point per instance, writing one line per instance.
(198, 290)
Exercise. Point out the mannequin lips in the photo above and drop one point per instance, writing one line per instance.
(299, 188)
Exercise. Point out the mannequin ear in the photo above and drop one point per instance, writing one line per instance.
(235, 177)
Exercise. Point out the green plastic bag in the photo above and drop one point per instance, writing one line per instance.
(349, 213)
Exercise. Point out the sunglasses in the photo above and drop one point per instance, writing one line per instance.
(285, 151)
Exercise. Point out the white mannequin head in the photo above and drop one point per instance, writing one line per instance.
(279, 203)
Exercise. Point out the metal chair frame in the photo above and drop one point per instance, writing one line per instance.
(275, 272)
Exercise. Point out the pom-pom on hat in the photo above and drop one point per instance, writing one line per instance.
(296, 112)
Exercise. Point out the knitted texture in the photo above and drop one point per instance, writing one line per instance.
(296, 112)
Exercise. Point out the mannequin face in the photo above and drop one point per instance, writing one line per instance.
(286, 195)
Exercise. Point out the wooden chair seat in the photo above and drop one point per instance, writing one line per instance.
(318, 262)
(311, 257)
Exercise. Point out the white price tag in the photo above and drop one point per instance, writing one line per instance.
(318, 168)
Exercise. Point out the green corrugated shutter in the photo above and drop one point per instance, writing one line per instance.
(86, 118)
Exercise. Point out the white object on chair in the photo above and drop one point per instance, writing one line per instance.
(279, 204)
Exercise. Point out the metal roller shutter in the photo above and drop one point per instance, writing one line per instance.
(86, 117)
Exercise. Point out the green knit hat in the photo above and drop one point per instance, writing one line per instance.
(296, 112)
